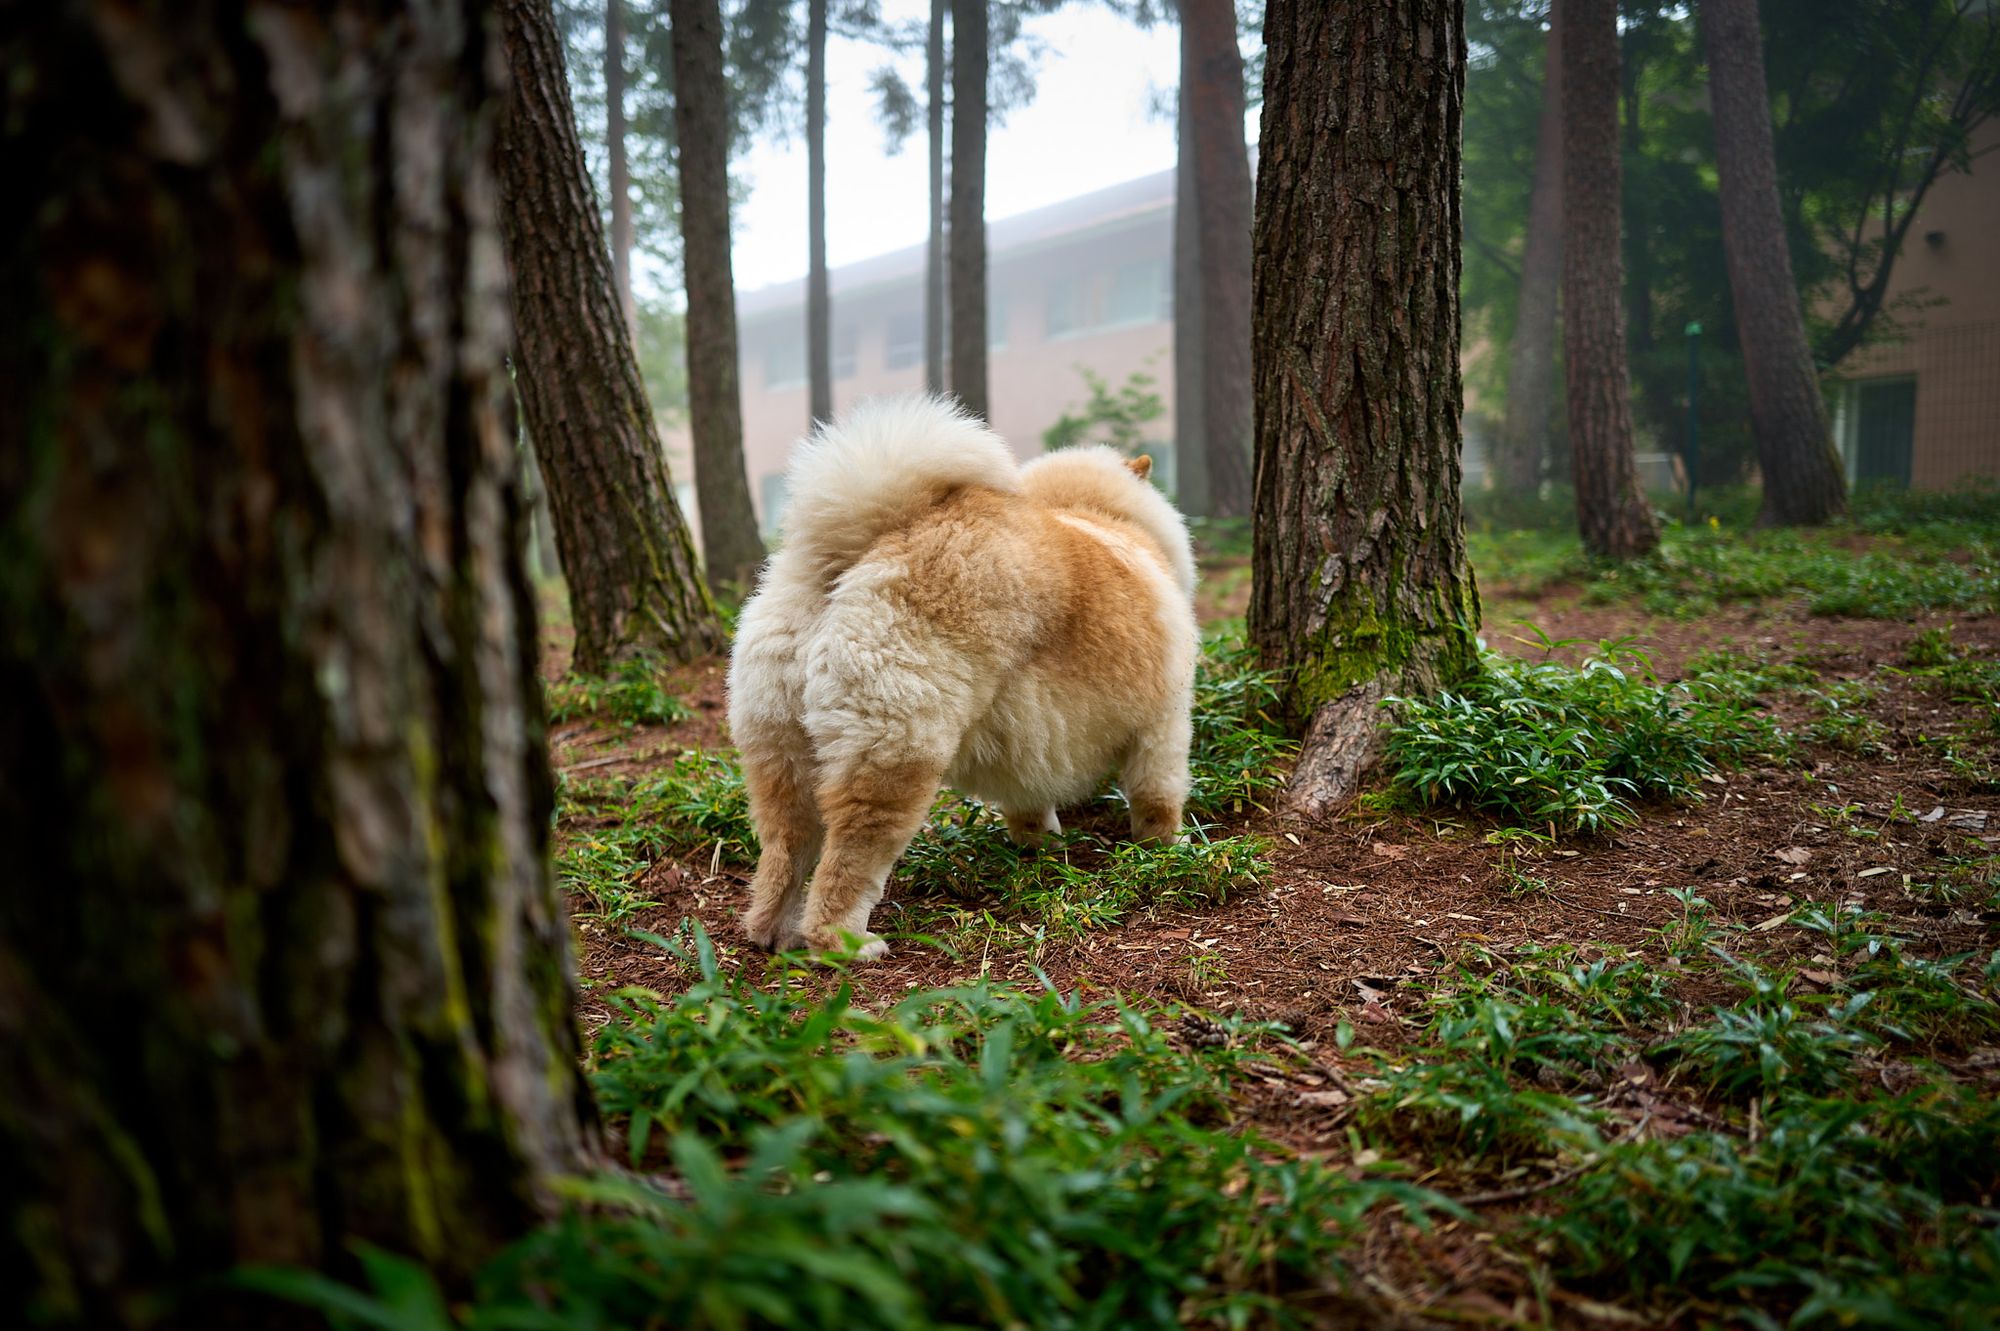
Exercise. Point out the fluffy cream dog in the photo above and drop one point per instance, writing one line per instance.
(938, 615)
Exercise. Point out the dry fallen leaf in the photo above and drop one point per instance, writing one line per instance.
(1792, 854)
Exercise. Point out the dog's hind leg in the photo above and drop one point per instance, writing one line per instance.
(1155, 779)
(790, 833)
(1031, 828)
(870, 811)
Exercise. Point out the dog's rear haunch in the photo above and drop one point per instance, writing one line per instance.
(938, 614)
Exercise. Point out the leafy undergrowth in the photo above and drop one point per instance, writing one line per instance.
(1897, 554)
(1550, 748)
(631, 695)
(1752, 1163)
(1702, 1117)
(974, 1157)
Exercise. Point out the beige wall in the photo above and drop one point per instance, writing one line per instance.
(1115, 276)
(1950, 270)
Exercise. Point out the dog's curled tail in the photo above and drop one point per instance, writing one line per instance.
(878, 467)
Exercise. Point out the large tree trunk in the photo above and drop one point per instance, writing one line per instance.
(1361, 586)
(968, 204)
(729, 541)
(1803, 478)
(1613, 514)
(634, 590)
(1531, 368)
(934, 305)
(819, 349)
(1211, 58)
(1190, 417)
(281, 963)
(620, 168)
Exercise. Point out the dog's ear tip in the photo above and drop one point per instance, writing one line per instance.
(1141, 466)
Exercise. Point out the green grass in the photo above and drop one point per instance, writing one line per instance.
(1923, 552)
(630, 695)
(977, 1157)
(1544, 746)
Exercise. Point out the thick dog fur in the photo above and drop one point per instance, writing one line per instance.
(938, 615)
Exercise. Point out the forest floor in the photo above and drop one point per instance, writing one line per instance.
(1729, 1057)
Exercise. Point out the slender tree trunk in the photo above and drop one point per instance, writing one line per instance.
(1531, 368)
(819, 349)
(968, 204)
(730, 545)
(1612, 513)
(1638, 239)
(281, 963)
(934, 255)
(1222, 205)
(621, 171)
(1190, 415)
(1360, 583)
(634, 589)
(1803, 479)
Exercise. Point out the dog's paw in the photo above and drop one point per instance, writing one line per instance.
(1031, 829)
(767, 932)
(843, 945)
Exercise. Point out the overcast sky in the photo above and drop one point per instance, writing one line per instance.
(1095, 120)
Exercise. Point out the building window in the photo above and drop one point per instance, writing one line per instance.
(1138, 293)
(771, 489)
(1133, 293)
(1878, 428)
(785, 361)
(905, 346)
(846, 352)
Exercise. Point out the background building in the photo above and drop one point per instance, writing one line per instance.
(1924, 409)
(1083, 283)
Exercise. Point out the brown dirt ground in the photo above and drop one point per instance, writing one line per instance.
(1359, 906)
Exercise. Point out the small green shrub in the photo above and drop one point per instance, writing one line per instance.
(1838, 1214)
(630, 694)
(1240, 748)
(1569, 749)
(977, 1157)
(1773, 1041)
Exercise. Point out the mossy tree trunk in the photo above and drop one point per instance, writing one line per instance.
(1804, 481)
(1212, 82)
(1531, 365)
(968, 204)
(1361, 586)
(730, 545)
(281, 963)
(634, 588)
(1611, 510)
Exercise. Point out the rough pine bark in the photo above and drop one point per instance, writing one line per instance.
(1804, 482)
(627, 558)
(819, 348)
(934, 251)
(1212, 73)
(1360, 582)
(1190, 417)
(1612, 513)
(1531, 365)
(620, 166)
(731, 547)
(968, 204)
(281, 962)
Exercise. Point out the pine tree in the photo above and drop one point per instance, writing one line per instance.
(1360, 582)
